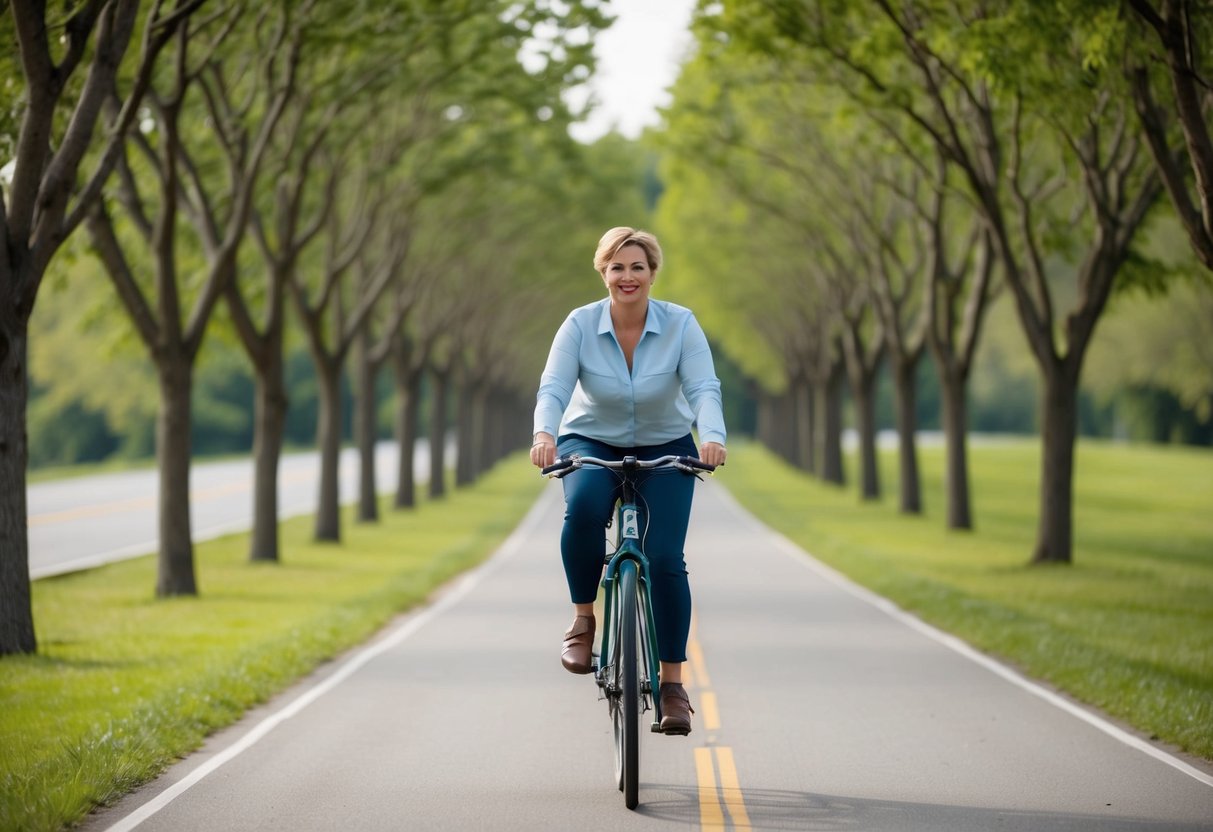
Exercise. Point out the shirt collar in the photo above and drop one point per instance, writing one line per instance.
(652, 321)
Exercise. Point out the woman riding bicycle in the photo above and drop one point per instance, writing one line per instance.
(628, 375)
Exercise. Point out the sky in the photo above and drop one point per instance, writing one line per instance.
(638, 59)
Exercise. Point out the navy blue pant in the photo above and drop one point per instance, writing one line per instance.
(665, 495)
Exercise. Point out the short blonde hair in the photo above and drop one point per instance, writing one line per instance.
(617, 238)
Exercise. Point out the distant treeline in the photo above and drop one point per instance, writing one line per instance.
(74, 433)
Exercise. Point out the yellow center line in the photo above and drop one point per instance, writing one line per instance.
(695, 654)
(95, 510)
(730, 788)
(711, 816)
(711, 716)
(133, 504)
(688, 675)
(710, 758)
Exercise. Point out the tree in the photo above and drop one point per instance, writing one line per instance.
(884, 243)
(934, 290)
(282, 242)
(41, 207)
(1180, 28)
(981, 86)
(288, 215)
(958, 295)
(462, 94)
(172, 161)
(767, 144)
(330, 330)
(372, 352)
(886, 188)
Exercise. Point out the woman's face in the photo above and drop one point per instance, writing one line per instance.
(628, 277)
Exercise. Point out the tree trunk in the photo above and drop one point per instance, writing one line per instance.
(465, 432)
(441, 377)
(479, 448)
(955, 431)
(483, 414)
(802, 391)
(773, 423)
(1058, 432)
(57, 114)
(408, 398)
(328, 440)
(494, 414)
(500, 417)
(16, 613)
(905, 400)
(830, 419)
(269, 425)
(861, 367)
(365, 428)
(176, 572)
(783, 440)
(865, 418)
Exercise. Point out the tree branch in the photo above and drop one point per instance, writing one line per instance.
(157, 34)
(105, 242)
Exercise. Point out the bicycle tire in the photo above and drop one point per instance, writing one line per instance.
(613, 682)
(627, 731)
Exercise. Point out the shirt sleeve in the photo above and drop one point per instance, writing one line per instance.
(699, 383)
(559, 378)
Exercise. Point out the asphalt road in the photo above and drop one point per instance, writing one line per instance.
(819, 707)
(81, 523)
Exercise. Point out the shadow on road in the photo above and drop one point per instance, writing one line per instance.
(774, 809)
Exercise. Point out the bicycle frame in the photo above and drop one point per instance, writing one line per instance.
(628, 550)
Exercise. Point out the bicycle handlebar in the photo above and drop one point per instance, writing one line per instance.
(567, 465)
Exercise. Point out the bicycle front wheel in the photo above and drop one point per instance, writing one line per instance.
(627, 673)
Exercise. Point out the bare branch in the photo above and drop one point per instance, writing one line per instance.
(106, 244)
(44, 177)
(1040, 313)
(128, 195)
(157, 34)
(976, 305)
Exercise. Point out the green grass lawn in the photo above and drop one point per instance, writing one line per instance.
(124, 684)
(1128, 627)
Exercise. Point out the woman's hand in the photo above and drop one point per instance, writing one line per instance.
(543, 451)
(713, 453)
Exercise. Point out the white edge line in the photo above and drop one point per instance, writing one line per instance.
(953, 643)
(403, 631)
(136, 550)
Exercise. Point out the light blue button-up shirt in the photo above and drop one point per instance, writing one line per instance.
(586, 387)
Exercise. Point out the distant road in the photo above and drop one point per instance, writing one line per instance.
(84, 522)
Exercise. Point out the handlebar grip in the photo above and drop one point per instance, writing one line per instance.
(557, 466)
(692, 462)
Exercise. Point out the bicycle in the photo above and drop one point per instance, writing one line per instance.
(626, 667)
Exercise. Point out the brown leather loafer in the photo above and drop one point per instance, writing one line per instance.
(676, 709)
(577, 654)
